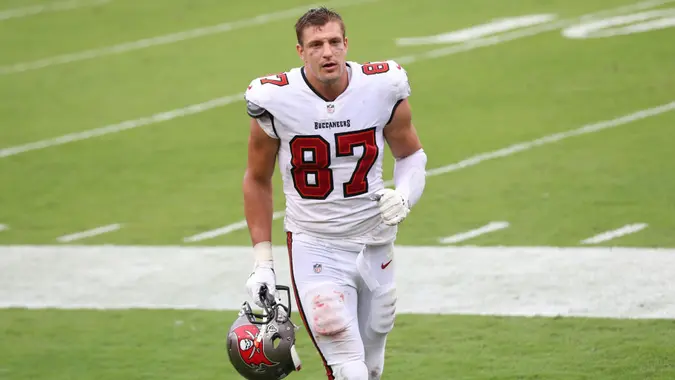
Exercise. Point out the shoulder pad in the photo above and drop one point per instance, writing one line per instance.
(261, 90)
(254, 110)
(400, 80)
(391, 75)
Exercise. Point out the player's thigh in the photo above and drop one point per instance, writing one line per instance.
(327, 299)
(377, 302)
(377, 305)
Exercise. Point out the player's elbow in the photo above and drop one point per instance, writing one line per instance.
(255, 179)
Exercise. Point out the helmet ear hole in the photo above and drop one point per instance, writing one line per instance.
(276, 339)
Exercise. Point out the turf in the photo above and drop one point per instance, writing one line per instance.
(168, 344)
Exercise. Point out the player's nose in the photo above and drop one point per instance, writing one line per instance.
(327, 51)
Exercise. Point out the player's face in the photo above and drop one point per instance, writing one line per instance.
(324, 51)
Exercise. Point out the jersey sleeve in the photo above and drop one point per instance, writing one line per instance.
(255, 107)
(398, 87)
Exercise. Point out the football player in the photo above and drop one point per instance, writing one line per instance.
(326, 123)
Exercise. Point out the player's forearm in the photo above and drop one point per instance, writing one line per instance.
(258, 208)
(410, 176)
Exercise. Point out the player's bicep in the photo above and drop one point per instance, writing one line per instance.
(262, 153)
(400, 133)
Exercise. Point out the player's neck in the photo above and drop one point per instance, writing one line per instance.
(330, 91)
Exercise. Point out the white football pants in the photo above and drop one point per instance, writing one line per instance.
(346, 297)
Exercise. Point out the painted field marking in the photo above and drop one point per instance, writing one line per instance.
(490, 227)
(3, 227)
(89, 233)
(623, 24)
(218, 102)
(522, 33)
(477, 31)
(609, 235)
(167, 38)
(224, 230)
(129, 124)
(585, 129)
(528, 281)
(510, 150)
(7, 14)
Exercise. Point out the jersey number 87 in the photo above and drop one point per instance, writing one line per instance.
(311, 164)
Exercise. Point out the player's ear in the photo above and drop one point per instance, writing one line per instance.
(298, 47)
(346, 43)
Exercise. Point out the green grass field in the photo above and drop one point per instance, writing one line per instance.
(165, 344)
(499, 117)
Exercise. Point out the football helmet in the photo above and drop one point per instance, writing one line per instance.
(261, 346)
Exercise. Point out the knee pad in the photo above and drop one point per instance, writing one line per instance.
(329, 315)
(383, 310)
(354, 370)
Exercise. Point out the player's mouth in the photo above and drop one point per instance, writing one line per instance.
(330, 66)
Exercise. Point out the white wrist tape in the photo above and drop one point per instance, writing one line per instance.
(262, 254)
(410, 176)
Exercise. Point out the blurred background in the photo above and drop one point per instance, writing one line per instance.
(543, 247)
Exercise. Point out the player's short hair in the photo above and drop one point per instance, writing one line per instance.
(317, 17)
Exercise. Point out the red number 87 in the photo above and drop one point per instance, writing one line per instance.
(311, 163)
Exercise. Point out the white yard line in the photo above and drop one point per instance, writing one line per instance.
(168, 115)
(541, 281)
(129, 124)
(224, 230)
(490, 227)
(3, 227)
(167, 38)
(522, 33)
(474, 32)
(515, 148)
(521, 147)
(609, 235)
(89, 233)
(7, 14)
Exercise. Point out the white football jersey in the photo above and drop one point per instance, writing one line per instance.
(331, 152)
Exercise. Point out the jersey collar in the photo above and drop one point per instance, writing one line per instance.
(304, 77)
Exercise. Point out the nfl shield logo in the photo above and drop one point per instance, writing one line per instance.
(317, 268)
(330, 108)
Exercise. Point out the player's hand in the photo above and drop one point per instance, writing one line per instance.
(263, 274)
(393, 206)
